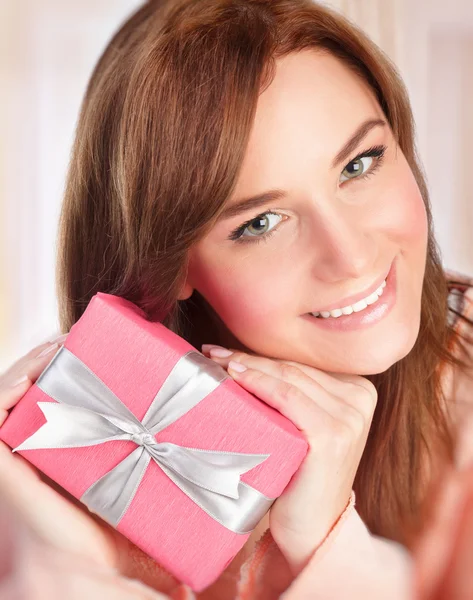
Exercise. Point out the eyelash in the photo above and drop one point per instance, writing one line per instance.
(236, 235)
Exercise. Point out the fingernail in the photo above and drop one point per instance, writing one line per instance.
(59, 340)
(236, 366)
(220, 352)
(207, 347)
(48, 350)
(19, 380)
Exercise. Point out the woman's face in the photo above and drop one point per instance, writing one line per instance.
(334, 233)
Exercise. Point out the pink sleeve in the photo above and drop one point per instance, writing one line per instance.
(353, 563)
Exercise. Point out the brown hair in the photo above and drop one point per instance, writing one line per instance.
(159, 144)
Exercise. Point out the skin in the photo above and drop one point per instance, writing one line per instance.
(333, 237)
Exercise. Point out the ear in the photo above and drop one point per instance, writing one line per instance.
(186, 291)
(187, 288)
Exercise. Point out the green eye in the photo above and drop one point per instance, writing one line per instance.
(357, 167)
(260, 224)
(257, 228)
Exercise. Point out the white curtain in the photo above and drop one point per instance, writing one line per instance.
(48, 50)
(381, 19)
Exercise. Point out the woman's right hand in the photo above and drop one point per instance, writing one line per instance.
(333, 411)
(45, 519)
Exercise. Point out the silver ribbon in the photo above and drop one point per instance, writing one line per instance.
(89, 413)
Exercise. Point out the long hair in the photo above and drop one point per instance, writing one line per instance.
(159, 144)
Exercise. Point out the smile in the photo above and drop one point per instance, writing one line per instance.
(357, 307)
(363, 313)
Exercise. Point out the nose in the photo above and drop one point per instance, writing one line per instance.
(346, 249)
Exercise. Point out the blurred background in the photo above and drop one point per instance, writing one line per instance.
(48, 51)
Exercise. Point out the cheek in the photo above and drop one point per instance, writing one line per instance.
(250, 295)
(404, 213)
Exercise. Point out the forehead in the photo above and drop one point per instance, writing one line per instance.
(313, 105)
(315, 88)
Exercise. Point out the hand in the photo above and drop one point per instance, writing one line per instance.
(36, 570)
(334, 412)
(59, 524)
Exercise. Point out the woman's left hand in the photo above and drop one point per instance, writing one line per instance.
(334, 413)
(33, 569)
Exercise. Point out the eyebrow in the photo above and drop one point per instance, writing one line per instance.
(350, 146)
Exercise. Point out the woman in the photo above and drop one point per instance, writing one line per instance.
(341, 316)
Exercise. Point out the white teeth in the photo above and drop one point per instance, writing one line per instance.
(372, 299)
(333, 313)
(357, 307)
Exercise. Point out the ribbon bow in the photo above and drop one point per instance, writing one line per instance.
(88, 413)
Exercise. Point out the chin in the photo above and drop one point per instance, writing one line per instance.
(385, 355)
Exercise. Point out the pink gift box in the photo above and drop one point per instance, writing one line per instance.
(133, 357)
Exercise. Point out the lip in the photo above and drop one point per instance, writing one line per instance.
(367, 317)
(356, 297)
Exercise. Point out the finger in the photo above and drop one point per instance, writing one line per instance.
(332, 382)
(257, 362)
(329, 378)
(15, 384)
(290, 401)
(342, 401)
(11, 394)
(17, 369)
(327, 400)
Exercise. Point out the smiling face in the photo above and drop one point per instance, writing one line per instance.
(329, 233)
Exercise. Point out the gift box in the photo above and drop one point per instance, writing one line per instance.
(156, 439)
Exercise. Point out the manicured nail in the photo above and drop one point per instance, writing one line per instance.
(220, 352)
(236, 366)
(48, 350)
(20, 380)
(59, 340)
(207, 347)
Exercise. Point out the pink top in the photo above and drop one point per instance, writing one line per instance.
(371, 566)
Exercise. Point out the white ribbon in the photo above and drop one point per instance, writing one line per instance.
(88, 413)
